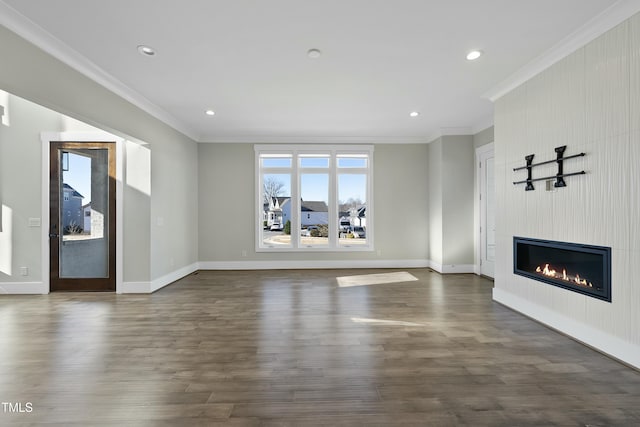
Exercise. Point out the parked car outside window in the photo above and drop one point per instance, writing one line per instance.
(309, 230)
(359, 232)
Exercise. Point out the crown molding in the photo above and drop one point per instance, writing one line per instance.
(36, 35)
(609, 18)
(450, 131)
(313, 140)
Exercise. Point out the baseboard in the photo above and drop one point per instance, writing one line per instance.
(23, 288)
(168, 279)
(615, 347)
(452, 269)
(135, 288)
(300, 265)
(458, 269)
(158, 283)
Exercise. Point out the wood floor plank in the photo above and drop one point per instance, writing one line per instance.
(293, 348)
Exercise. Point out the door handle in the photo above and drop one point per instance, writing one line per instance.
(53, 235)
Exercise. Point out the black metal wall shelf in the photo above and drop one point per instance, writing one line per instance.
(559, 177)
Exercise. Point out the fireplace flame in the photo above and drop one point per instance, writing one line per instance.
(582, 282)
(547, 271)
(551, 272)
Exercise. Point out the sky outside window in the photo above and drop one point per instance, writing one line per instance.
(314, 187)
(79, 175)
(314, 162)
(352, 162)
(276, 162)
(352, 186)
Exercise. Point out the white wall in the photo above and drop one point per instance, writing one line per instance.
(451, 204)
(589, 101)
(483, 137)
(20, 183)
(174, 210)
(227, 203)
(457, 198)
(137, 204)
(434, 190)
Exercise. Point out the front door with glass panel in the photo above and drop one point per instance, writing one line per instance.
(82, 216)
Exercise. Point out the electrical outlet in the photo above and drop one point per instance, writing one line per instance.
(244, 252)
(550, 185)
(34, 222)
(24, 271)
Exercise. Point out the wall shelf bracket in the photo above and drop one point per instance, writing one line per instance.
(559, 177)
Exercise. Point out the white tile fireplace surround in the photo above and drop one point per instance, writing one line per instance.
(590, 102)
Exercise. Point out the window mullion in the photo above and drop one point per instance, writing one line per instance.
(333, 203)
(295, 202)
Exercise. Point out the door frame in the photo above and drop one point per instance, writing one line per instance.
(89, 284)
(479, 216)
(46, 138)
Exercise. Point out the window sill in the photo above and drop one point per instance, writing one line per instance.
(317, 249)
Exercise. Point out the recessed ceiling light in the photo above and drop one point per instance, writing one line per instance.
(146, 50)
(414, 114)
(314, 53)
(474, 54)
(210, 113)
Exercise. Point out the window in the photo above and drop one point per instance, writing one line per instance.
(314, 198)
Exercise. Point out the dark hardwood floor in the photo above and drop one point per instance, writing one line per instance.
(293, 348)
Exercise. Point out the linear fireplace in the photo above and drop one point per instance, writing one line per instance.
(580, 268)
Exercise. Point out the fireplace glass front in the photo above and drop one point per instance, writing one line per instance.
(580, 268)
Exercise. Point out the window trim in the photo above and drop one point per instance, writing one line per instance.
(333, 151)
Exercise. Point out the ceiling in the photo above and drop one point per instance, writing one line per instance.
(247, 60)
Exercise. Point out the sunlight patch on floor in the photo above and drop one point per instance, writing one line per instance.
(375, 279)
(382, 322)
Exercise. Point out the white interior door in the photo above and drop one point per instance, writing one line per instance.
(487, 211)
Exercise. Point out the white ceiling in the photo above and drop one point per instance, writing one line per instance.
(247, 60)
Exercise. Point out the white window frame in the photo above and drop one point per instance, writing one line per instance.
(295, 151)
